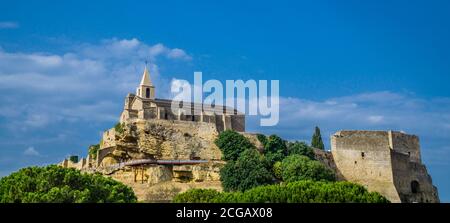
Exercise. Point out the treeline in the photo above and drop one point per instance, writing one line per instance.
(295, 192)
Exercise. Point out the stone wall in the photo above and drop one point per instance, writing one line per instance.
(224, 118)
(160, 183)
(383, 161)
(406, 174)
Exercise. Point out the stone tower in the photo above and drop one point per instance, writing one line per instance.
(146, 89)
(388, 162)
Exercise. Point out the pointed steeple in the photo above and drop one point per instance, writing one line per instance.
(146, 89)
(146, 77)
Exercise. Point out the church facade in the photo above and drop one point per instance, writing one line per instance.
(144, 106)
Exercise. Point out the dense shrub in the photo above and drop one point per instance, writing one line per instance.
(248, 171)
(275, 149)
(232, 144)
(262, 139)
(53, 184)
(277, 170)
(119, 127)
(275, 144)
(298, 167)
(300, 148)
(294, 192)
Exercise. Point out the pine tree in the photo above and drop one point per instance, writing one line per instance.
(316, 140)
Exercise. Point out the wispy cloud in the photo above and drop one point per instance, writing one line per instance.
(31, 151)
(58, 102)
(86, 83)
(384, 110)
(8, 25)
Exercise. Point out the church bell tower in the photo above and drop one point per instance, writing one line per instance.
(146, 89)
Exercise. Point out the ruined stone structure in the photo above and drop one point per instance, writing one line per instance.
(144, 105)
(160, 153)
(388, 162)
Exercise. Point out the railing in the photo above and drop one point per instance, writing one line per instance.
(152, 161)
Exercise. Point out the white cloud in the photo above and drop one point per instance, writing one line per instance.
(8, 25)
(375, 118)
(429, 119)
(31, 151)
(178, 54)
(86, 83)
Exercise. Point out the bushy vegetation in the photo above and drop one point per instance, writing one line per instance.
(119, 127)
(298, 167)
(275, 149)
(247, 168)
(248, 171)
(232, 144)
(250, 176)
(277, 170)
(295, 192)
(300, 148)
(53, 184)
(262, 139)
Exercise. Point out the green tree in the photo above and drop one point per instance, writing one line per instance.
(298, 167)
(277, 170)
(300, 148)
(262, 139)
(316, 140)
(232, 144)
(54, 184)
(294, 192)
(275, 149)
(248, 171)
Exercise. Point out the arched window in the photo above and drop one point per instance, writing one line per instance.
(415, 187)
(147, 93)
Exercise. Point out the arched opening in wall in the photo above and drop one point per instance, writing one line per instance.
(415, 187)
(165, 116)
(147, 93)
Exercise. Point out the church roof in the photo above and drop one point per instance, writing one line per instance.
(146, 77)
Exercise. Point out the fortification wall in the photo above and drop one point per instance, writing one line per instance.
(384, 161)
(406, 144)
(108, 139)
(364, 157)
(412, 180)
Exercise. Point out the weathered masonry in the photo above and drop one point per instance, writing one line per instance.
(388, 162)
(144, 105)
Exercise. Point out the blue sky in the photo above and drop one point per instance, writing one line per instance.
(65, 67)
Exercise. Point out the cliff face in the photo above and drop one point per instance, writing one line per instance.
(159, 139)
(162, 143)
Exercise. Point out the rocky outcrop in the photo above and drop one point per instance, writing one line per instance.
(159, 139)
(169, 140)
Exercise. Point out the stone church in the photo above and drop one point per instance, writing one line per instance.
(144, 105)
